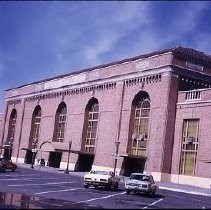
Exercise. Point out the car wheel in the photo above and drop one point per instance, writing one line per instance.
(116, 186)
(2, 170)
(108, 187)
(86, 186)
(148, 193)
(153, 193)
(128, 192)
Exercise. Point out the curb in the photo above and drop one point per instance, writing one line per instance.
(184, 191)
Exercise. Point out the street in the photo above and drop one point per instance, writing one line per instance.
(27, 188)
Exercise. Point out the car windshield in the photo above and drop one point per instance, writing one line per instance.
(139, 177)
(100, 172)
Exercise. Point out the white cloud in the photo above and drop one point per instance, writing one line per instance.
(133, 13)
(1, 64)
(175, 30)
(202, 42)
(105, 43)
(186, 19)
(127, 17)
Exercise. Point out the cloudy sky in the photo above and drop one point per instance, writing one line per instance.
(42, 39)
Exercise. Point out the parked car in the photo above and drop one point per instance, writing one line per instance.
(6, 164)
(105, 179)
(141, 183)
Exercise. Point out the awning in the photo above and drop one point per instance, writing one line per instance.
(133, 156)
(28, 149)
(79, 152)
(5, 146)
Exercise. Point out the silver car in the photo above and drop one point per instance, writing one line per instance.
(141, 183)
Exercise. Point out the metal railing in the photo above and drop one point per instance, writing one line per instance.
(193, 95)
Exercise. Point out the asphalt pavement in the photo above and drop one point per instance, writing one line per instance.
(162, 185)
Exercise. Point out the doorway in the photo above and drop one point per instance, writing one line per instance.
(28, 157)
(132, 165)
(54, 159)
(7, 153)
(84, 162)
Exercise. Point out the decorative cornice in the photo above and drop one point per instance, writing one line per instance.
(146, 79)
(90, 89)
(14, 102)
(74, 91)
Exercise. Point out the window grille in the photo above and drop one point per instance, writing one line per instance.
(141, 122)
(192, 95)
(60, 122)
(91, 133)
(12, 125)
(36, 120)
(189, 147)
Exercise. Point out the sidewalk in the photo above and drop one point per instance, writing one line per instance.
(162, 185)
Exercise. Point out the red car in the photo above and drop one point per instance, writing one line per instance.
(7, 165)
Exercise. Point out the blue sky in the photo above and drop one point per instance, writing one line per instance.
(42, 39)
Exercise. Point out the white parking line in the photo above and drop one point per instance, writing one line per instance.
(3, 174)
(55, 191)
(29, 179)
(49, 183)
(152, 204)
(104, 197)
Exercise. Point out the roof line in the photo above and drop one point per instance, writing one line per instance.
(177, 51)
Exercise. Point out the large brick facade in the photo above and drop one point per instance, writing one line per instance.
(168, 78)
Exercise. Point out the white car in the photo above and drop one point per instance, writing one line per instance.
(141, 183)
(101, 179)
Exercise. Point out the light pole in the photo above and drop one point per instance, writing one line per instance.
(117, 143)
(67, 169)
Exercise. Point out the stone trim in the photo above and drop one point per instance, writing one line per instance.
(14, 102)
(76, 91)
(146, 79)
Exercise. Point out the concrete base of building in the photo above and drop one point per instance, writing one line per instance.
(183, 179)
(191, 180)
(63, 165)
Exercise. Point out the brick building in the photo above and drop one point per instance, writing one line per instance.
(146, 113)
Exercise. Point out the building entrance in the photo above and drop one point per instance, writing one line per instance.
(28, 157)
(54, 159)
(84, 162)
(7, 153)
(132, 165)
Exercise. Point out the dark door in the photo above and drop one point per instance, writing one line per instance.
(54, 159)
(132, 165)
(7, 153)
(28, 157)
(84, 162)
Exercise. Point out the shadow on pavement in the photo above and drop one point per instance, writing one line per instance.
(22, 201)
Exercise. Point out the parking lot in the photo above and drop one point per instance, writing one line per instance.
(28, 188)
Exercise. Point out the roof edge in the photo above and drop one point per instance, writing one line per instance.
(177, 51)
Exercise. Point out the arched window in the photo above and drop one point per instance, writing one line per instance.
(12, 124)
(141, 109)
(60, 120)
(92, 114)
(35, 127)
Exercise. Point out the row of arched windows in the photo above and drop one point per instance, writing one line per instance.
(140, 123)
